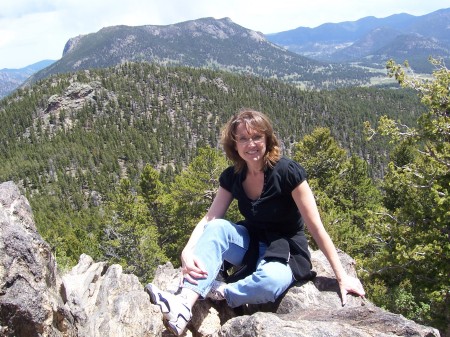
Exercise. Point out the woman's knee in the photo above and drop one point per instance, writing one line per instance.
(218, 223)
(219, 229)
(226, 228)
(226, 233)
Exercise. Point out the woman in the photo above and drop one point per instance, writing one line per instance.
(276, 201)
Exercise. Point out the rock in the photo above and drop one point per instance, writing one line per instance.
(95, 299)
(30, 304)
(104, 301)
(74, 98)
(359, 322)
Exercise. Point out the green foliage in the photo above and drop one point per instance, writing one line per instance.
(66, 231)
(130, 237)
(321, 156)
(415, 230)
(189, 198)
(344, 192)
(151, 186)
(400, 297)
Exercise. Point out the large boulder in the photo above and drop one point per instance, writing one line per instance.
(30, 304)
(96, 299)
(105, 302)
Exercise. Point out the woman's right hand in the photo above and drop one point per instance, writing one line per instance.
(191, 268)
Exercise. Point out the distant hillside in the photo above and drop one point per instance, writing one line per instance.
(215, 44)
(374, 41)
(10, 79)
(93, 127)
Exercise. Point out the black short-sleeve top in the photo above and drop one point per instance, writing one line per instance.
(274, 217)
(275, 210)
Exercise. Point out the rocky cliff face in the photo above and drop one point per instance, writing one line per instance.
(95, 299)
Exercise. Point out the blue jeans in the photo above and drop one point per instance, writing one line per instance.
(223, 240)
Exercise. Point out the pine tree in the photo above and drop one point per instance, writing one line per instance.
(189, 198)
(130, 236)
(345, 193)
(412, 268)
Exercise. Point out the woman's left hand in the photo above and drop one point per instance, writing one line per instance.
(307, 206)
(349, 284)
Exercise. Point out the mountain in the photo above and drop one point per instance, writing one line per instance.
(10, 79)
(358, 50)
(216, 44)
(400, 36)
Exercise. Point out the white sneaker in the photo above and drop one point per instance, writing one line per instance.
(176, 314)
(216, 293)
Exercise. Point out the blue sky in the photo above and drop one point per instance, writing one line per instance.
(35, 30)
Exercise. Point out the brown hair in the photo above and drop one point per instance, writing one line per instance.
(253, 120)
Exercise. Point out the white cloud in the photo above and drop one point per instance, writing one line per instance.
(6, 36)
(20, 8)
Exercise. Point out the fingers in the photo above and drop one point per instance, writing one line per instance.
(192, 276)
(189, 278)
(200, 266)
(344, 297)
(351, 285)
(193, 271)
(358, 288)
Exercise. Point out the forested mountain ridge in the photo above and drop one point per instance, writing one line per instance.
(152, 114)
(373, 40)
(208, 42)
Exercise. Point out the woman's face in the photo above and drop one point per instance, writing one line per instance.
(251, 145)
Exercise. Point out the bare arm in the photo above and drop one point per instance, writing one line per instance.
(306, 204)
(191, 267)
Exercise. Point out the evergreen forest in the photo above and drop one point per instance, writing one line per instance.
(121, 163)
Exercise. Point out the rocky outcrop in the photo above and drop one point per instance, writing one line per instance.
(29, 301)
(95, 299)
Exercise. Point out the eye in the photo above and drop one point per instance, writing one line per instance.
(243, 140)
(257, 138)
